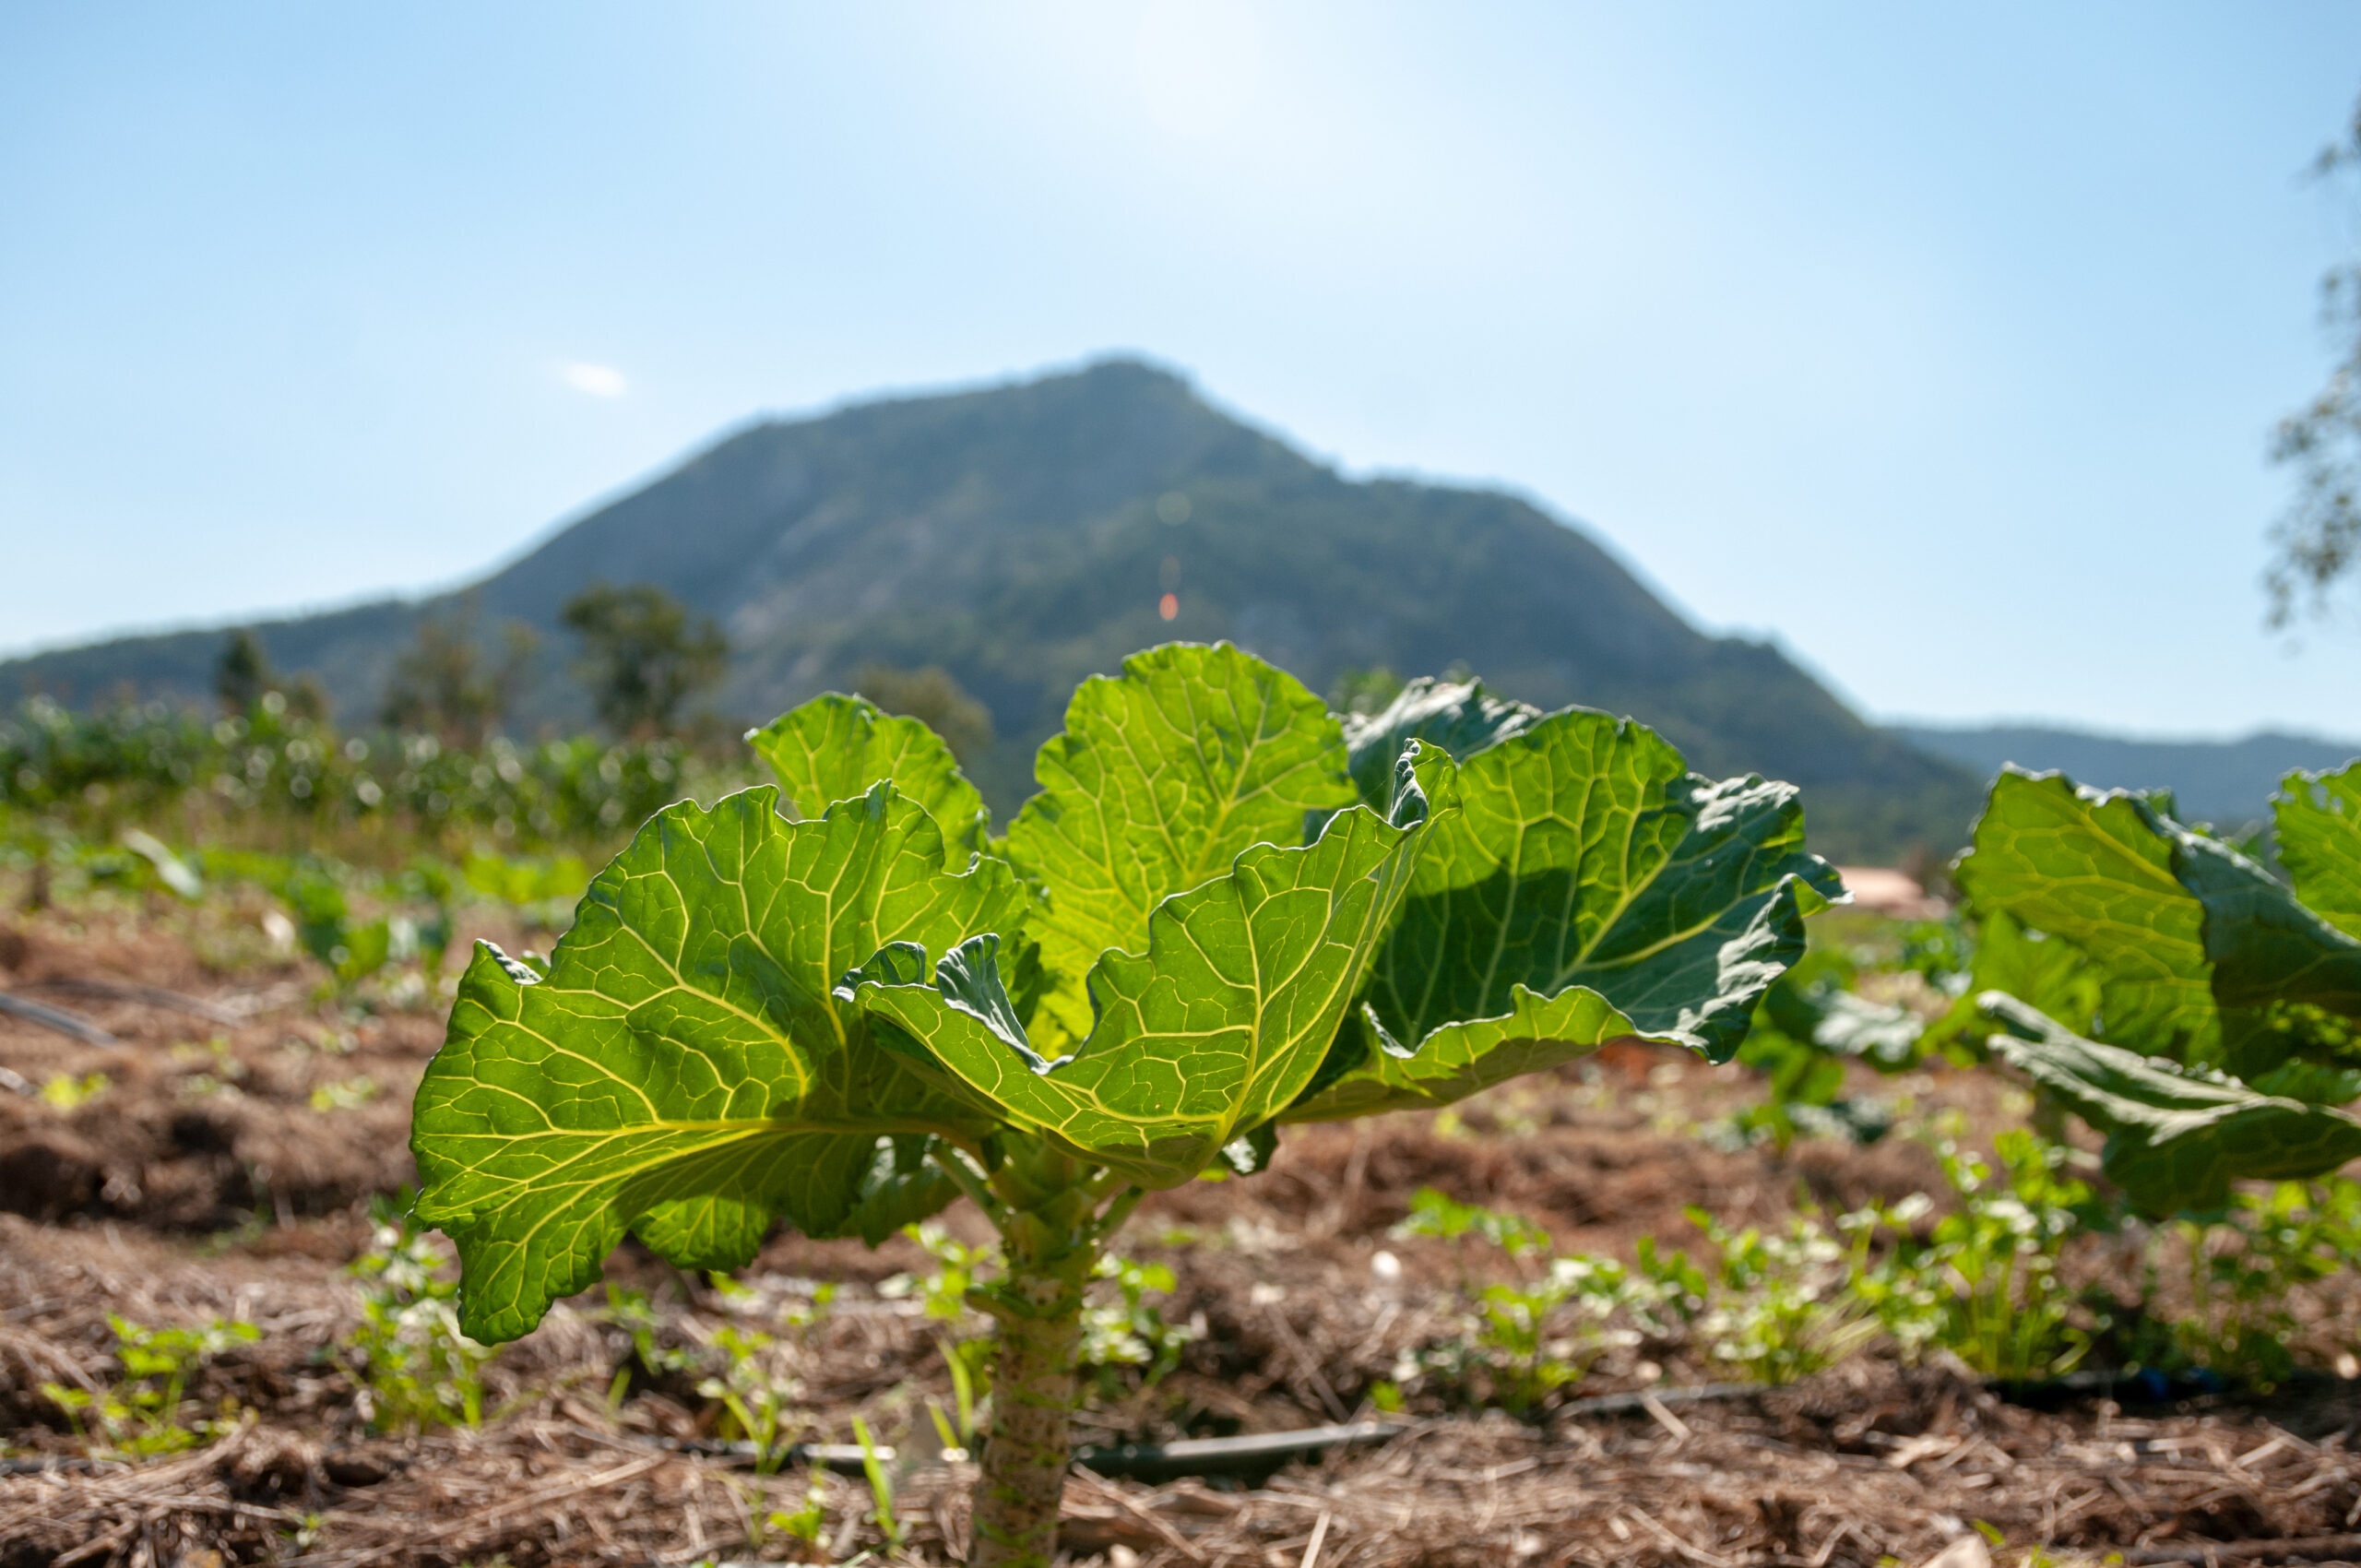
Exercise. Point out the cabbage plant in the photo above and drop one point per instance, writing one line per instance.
(2200, 1011)
(840, 1004)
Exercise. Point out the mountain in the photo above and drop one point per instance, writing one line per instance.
(1022, 536)
(2225, 783)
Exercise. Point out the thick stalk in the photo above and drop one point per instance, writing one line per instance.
(1050, 1245)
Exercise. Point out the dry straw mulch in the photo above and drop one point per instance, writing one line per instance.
(1862, 1465)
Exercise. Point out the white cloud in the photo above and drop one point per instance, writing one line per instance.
(598, 380)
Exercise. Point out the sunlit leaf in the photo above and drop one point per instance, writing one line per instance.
(683, 1070)
(1212, 1030)
(1162, 776)
(835, 747)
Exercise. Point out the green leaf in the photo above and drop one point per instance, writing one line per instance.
(2318, 822)
(2045, 970)
(2096, 869)
(1589, 888)
(1458, 716)
(683, 1069)
(2202, 954)
(1212, 1030)
(1161, 777)
(1828, 1017)
(1458, 1060)
(834, 747)
(2175, 1139)
(2277, 966)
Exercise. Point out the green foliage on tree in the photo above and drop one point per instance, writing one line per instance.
(1201, 929)
(2316, 542)
(930, 696)
(447, 684)
(643, 656)
(242, 673)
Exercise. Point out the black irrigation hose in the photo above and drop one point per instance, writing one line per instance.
(72, 1024)
(1227, 1455)
(1267, 1451)
(1139, 1461)
(146, 995)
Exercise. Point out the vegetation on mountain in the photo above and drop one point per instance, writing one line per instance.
(935, 698)
(1022, 538)
(242, 673)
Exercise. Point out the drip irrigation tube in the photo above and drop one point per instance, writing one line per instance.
(1137, 1461)
(72, 1024)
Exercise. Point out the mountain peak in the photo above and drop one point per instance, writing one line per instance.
(1026, 535)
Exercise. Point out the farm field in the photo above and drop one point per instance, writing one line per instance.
(1856, 1297)
(224, 1175)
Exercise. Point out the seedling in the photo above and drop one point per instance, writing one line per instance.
(631, 1311)
(417, 1369)
(1224, 912)
(2010, 1312)
(1785, 1307)
(141, 1414)
(1436, 1214)
(881, 1485)
(756, 1394)
(805, 1524)
(64, 1091)
(344, 1094)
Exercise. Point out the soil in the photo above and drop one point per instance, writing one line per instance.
(225, 1168)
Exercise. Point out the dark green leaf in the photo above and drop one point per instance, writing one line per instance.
(2275, 961)
(2202, 954)
(1590, 887)
(1458, 716)
(2175, 1139)
(2095, 868)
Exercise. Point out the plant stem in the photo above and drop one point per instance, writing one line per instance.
(1049, 1246)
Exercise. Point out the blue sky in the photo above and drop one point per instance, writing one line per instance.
(1941, 344)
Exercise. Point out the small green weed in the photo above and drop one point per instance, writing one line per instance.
(880, 1486)
(1531, 1337)
(1126, 1343)
(631, 1311)
(1439, 1214)
(2243, 1270)
(755, 1392)
(344, 1094)
(417, 1372)
(1782, 1306)
(64, 1091)
(804, 1525)
(2008, 1313)
(141, 1414)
